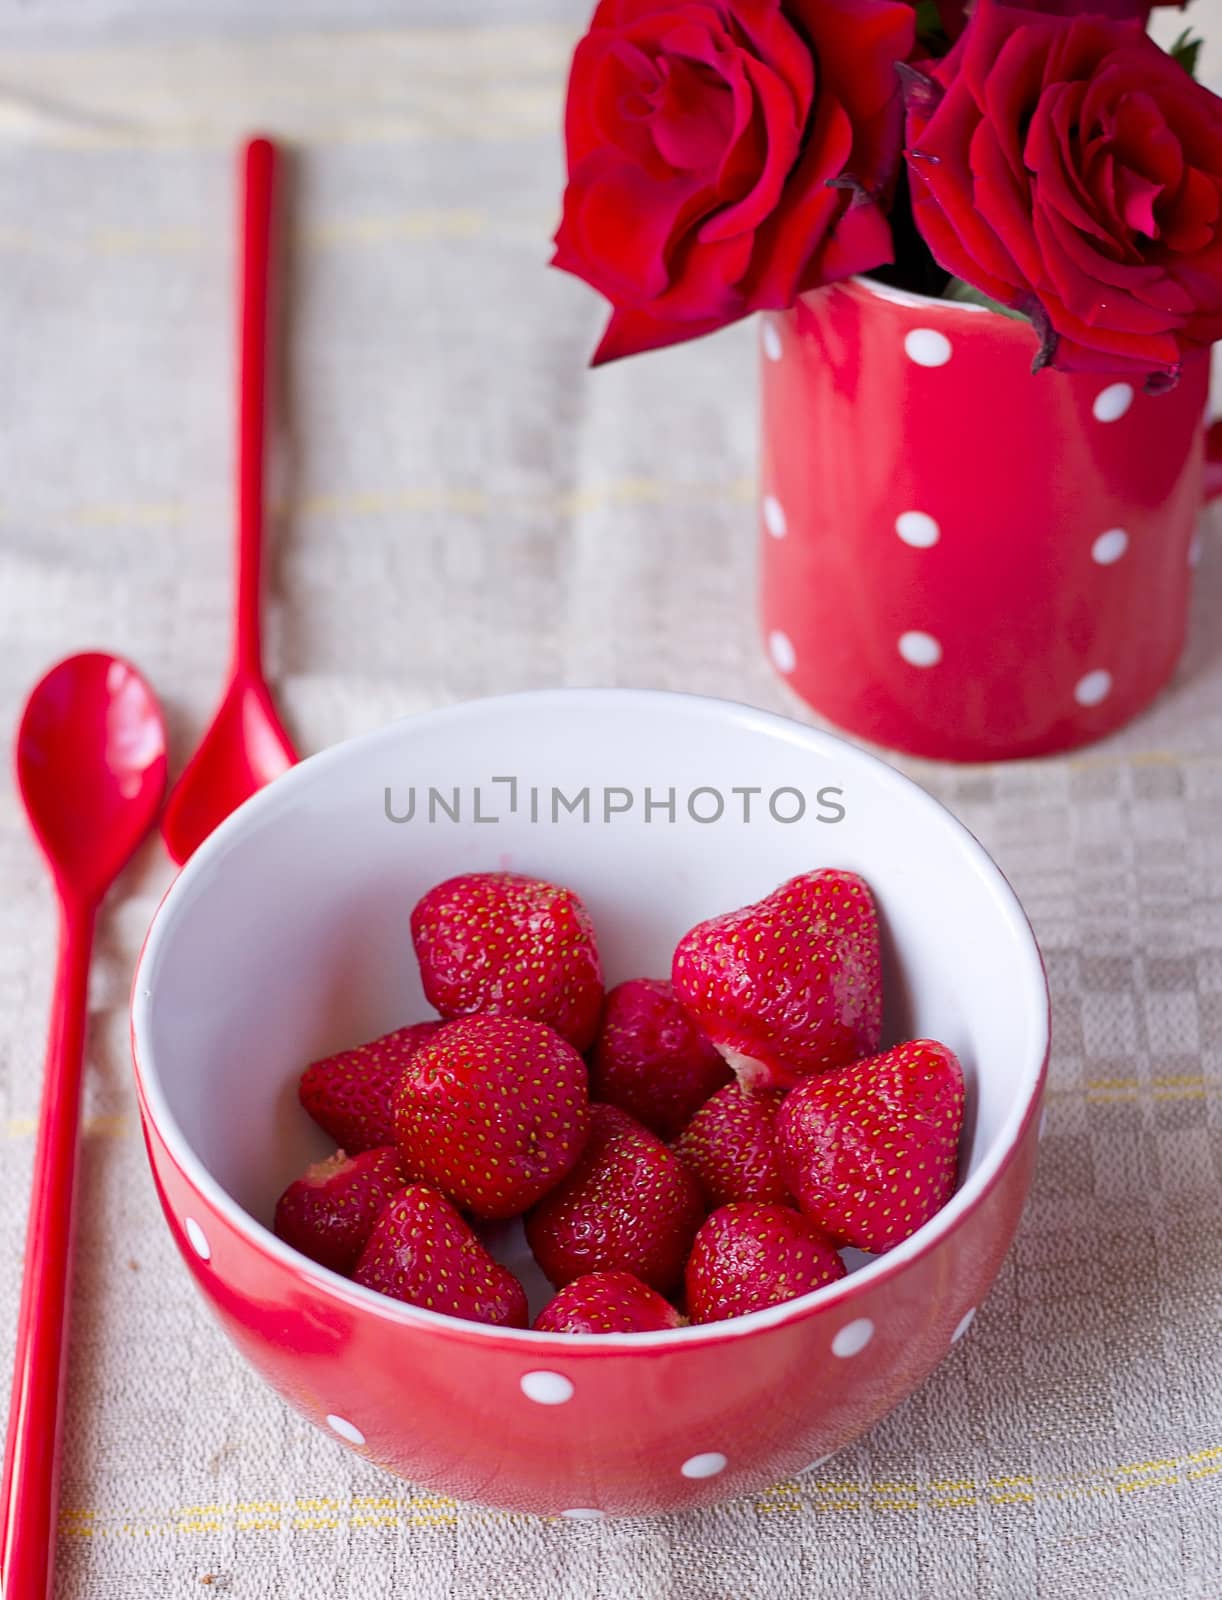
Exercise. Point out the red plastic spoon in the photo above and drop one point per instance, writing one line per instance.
(91, 766)
(246, 746)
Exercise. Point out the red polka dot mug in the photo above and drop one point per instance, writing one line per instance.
(960, 559)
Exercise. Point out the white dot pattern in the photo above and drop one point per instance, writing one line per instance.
(1094, 688)
(927, 347)
(345, 1429)
(198, 1238)
(780, 648)
(918, 529)
(965, 1322)
(706, 1465)
(1109, 547)
(774, 517)
(1112, 403)
(772, 341)
(920, 649)
(853, 1338)
(546, 1388)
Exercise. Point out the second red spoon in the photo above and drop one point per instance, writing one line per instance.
(246, 745)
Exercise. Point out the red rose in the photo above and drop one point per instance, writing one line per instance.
(705, 140)
(1073, 170)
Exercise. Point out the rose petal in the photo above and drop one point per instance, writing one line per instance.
(1072, 269)
(706, 280)
(860, 241)
(1002, 211)
(808, 208)
(630, 333)
(1009, 95)
(1137, 197)
(949, 249)
(1190, 218)
(624, 88)
(695, 118)
(772, 39)
(1083, 348)
(619, 223)
(857, 43)
(955, 141)
(781, 138)
(1046, 156)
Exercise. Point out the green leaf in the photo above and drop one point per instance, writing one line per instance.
(1185, 50)
(929, 27)
(967, 293)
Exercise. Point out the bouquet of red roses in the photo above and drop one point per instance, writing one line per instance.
(1044, 156)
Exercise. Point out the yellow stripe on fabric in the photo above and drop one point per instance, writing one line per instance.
(340, 233)
(493, 502)
(1110, 1096)
(440, 224)
(478, 502)
(792, 1497)
(452, 498)
(113, 1127)
(488, 83)
(415, 130)
(1102, 1091)
(119, 514)
(473, 500)
(328, 234)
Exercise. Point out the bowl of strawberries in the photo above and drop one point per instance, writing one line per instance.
(592, 1102)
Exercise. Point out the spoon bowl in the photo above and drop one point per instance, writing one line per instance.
(245, 747)
(91, 767)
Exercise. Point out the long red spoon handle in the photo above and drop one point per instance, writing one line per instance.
(28, 1498)
(257, 202)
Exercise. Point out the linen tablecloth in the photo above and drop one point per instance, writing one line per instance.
(463, 509)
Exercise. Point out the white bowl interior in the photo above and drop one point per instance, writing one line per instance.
(287, 935)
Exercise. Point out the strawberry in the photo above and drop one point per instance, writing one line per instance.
(651, 1060)
(329, 1213)
(749, 1256)
(870, 1150)
(351, 1095)
(629, 1205)
(424, 1253)
(607, 1302)
(790, 986)
(730, 1146)
(492, 1111)
(509, 946)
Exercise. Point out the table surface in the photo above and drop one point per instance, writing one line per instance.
(461, 509)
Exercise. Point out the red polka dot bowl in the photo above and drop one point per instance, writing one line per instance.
(959, 558)
(286, 937)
